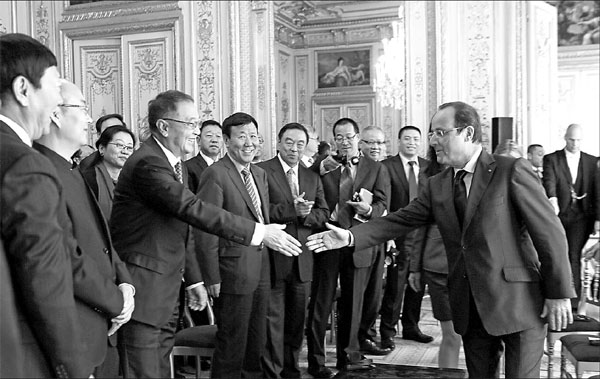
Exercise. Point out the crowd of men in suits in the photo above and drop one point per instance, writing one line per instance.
(269, 241)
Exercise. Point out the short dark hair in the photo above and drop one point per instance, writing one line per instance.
(237, 119)
(164, 103)
(532, 147)
(108, 134)
(22, 55)
(465, 115)
(346, 120)
(324, 148)
(292, 126)
(407, 127)
(108, 117)
(208, 123)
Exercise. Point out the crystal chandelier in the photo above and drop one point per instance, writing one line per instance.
(389, 81)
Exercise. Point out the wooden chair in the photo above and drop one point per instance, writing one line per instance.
(197, 341)
(582, 324)
(576, 348)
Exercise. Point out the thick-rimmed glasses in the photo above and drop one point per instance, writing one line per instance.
(189, 124)
(122, 147)
(341, 139)
(439, 133)
(80, 106)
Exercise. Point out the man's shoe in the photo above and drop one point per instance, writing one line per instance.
(363, 364)
(388, 343)
(417, 336)
(320, 372)
(369, 347)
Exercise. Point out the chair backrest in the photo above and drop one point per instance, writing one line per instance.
(189, 320)
(590, 280)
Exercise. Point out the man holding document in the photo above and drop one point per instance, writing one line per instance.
(355, 191)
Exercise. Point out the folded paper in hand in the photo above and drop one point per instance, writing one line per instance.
(367, 197)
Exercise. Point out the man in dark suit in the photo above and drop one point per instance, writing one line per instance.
(570, 181)
(150, 224)
(210, 142)
(404, 170)
(535, 156)
(31, 211)
(357, 272)
(297, 200)
(237, 276)
(508, 271)
(102, 284)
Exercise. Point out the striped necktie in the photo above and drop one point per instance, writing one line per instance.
(345, 211)
(179, 172)
(252, 193)
(290, 175)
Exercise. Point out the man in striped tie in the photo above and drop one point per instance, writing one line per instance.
(237, 276)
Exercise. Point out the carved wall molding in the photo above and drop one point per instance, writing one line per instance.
(77, 13)
(205, 47)
(302, 84)
(42, 24)
(110, 30)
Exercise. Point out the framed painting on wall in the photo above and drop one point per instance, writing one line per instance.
(343, 68)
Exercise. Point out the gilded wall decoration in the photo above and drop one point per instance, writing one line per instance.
(206, 60)
(261, 87)
(284, 80)
(2, 27)
(148, 78)
(42, 24)
(76, 15)
(301, 88)
(329, 117)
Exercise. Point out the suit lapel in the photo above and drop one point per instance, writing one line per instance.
(447, 201)
(236, 178)
(484, 170)
(564, 166)
(399, 170)
(280, 178)
(362, 169)
(263, 192)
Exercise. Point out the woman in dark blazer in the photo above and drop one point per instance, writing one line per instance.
(115, 145)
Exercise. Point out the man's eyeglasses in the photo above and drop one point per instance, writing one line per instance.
(340, 138)
(122, 147)
(84, 107)
(373, 143)
(439, 133)
(189, 124)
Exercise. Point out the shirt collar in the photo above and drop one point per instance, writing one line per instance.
(173, 160)
(286, 167)
(239, 166)
(18, 129)
(209, 161)
(570, 155)
(406, 160)
(470, 166)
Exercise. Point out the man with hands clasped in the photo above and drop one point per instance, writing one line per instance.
(509, 271)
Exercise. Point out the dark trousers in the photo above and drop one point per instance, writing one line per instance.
(357, 284)
(285, 326)
(577, 228)
(323, 289)
(397, 297)
(523, 350)
(110, 367)
(242, 332)
(145, 349)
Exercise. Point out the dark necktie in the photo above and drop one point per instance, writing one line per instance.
(460, 196)
(293, 186)
(344, 213)
(252, 193)
(179, 172)
(412, 181)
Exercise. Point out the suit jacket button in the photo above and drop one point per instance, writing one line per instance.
(106, 251)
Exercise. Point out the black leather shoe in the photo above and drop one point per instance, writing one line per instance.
(388, 343)
(417, 336)
(320, 372)
(363, 364)
(369, 347)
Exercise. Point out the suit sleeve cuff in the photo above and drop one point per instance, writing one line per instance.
(192, 286)
(258, 236)
(351, 243)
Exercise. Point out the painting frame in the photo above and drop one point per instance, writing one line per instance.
(343, 69)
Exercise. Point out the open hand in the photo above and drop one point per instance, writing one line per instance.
(558, 312)
(335, 238)
(275, 238)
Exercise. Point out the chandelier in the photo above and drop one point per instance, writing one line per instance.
(389, 82)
